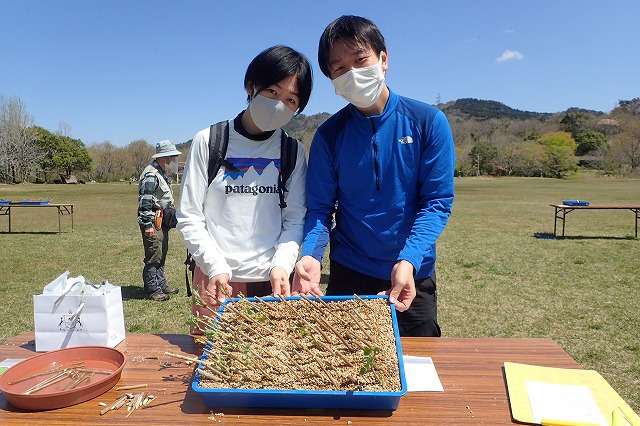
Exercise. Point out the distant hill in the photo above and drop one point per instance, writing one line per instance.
(480, 109)
(303, 127)
(302, 123)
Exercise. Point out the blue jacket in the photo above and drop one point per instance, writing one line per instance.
(392, 178)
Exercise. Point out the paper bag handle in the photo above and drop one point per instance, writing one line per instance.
(76, 314)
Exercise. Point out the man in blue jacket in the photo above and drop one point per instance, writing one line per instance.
(385, 165)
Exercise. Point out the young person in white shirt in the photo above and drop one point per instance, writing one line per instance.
(242, 241)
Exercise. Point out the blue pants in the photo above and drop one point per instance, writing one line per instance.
(155, 254)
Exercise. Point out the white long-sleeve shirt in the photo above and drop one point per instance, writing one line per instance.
(235, 226)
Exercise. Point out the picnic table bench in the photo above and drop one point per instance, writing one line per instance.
(63, 209)
(470, 370)
(562, 210)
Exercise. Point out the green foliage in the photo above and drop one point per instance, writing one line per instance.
(491, 109)
(589, 141)
(298, 328)
(369, 360)
(560, 148)
(575, 122)
(484, 154)
(61, 153)
(630, 106)
(559, 139)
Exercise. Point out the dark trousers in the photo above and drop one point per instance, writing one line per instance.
(420, 320)
(155, 254)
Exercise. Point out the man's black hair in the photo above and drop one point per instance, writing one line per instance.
(276, 63)
(352, 30)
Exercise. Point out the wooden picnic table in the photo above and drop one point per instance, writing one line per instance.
(562, 210)
(470, 370)
(63, 209)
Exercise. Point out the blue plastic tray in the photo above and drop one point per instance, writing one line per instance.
(35, 203)
(575, 203)
(262, 398)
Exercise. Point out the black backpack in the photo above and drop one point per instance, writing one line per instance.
(218, 143)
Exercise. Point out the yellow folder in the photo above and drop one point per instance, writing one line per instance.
(614, 409)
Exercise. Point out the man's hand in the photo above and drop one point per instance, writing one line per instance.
(307, 277)
(149, 233)
(217, 286)
(403, 286)
(279, 282)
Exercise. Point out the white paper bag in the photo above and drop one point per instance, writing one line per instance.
(71, 312)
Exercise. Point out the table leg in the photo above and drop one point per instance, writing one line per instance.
(560, 213)
(59, 226)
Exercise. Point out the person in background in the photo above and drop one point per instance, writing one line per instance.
(241, 239)
(156, 216)
(385, 163)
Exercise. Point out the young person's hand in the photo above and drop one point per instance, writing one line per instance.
(307, 277)
(219, 287)
(403, 286)
(279, 282)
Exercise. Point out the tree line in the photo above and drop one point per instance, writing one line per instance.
(490, 139)
(493, 141)
(30, 153)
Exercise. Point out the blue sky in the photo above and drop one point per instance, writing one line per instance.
(122, 70)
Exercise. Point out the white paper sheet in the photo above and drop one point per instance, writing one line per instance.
(563, 402)
(9, 362)
(421, 374)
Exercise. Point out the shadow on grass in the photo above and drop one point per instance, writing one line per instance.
(550, 236)
(30, 232)
(132, 292)
(595, 237)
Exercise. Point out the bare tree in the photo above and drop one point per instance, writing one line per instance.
(141, 151)
(64, 129)
(104, 161)
(19, 153)
(625, 147)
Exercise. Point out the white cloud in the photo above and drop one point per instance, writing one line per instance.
(510, 55)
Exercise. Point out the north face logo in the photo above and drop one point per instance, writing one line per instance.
(405, 140)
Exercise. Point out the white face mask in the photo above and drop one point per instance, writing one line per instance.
(173, 167)
(269, 114)
(361, 86)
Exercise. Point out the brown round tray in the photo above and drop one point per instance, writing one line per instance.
(55, 395)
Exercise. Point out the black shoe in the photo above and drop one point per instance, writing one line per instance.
(167, 289)
(158, 296)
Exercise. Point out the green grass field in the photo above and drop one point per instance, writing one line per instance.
(495, 278)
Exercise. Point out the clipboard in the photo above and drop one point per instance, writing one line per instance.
(606, 397)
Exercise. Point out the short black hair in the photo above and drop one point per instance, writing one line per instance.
(352, 30)
(276, 63)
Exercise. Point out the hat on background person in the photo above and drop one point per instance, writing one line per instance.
(165, 149)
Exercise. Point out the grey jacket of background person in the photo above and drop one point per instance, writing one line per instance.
(163, 196)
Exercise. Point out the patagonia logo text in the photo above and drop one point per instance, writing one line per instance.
(250, 189)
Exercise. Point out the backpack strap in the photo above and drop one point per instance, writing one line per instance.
(218, 143)
(288, 157)
(189, 266)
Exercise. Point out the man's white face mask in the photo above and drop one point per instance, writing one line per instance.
(172, 166)
(361, 86)
(269, 114)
